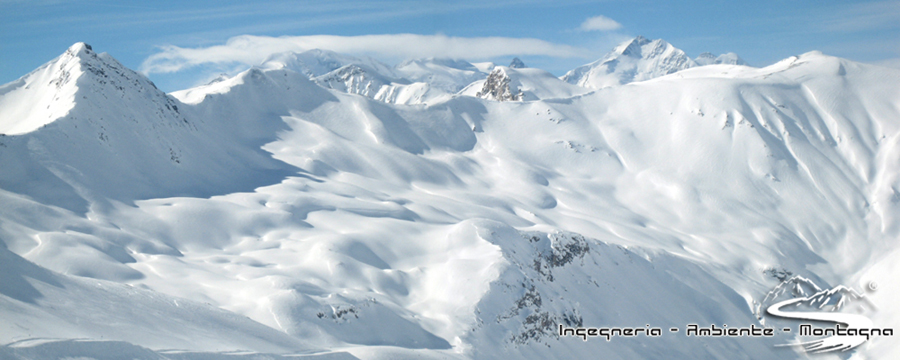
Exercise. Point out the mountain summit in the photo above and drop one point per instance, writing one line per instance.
(119, 123)
(639, 59)
(46, 93)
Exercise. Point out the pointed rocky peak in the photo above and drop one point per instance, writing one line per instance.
(497, 87)
(517, 64)
(80, 49)
(78, 52)
(76, 83)
(52, 90)
(78, 59)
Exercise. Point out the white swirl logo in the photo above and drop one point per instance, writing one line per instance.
(807, 301)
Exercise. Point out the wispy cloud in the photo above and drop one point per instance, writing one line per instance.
(252, 50)
(855, 17)
(599, 23)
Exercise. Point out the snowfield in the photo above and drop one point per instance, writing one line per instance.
(329, 207)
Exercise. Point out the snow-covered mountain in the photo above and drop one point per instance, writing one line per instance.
(82, 123)
(640, 59)
(279, 213)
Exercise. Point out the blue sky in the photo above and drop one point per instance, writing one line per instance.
(180, 43)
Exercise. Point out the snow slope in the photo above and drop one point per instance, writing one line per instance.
(54, 306)
(469, 227)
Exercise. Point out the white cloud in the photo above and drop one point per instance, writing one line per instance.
(855, 17)
(252, 50)
(600, 23)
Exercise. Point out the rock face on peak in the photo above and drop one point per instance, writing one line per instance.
(640, 59)
(496, 87)
(517, 64)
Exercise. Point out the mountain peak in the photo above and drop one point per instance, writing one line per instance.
(84, 53)
(638, 59)
(632, 47)
(45, 94)
(80, 47)
(78, 76)
(517, 63)
(497, 87)
(641, 59)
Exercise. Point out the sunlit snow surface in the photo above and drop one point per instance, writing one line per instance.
(267, 214)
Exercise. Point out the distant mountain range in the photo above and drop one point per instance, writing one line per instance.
(433, 79)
